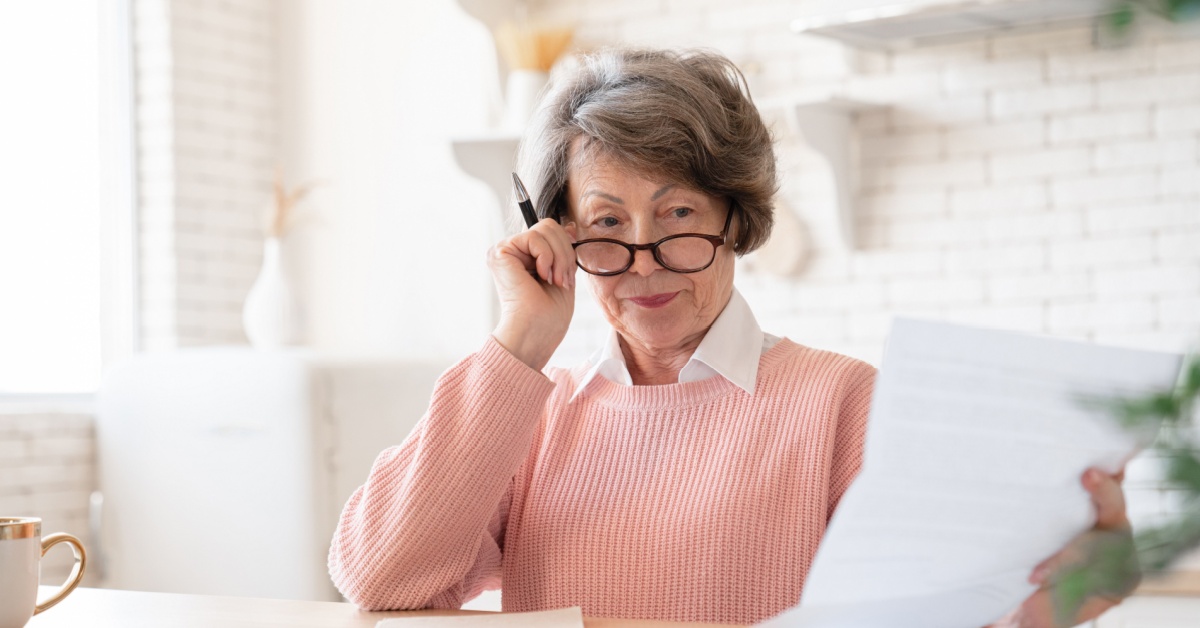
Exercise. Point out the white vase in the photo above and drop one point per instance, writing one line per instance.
(522, 96)
(272, 315)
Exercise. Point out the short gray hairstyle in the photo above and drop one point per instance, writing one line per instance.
(685, 116)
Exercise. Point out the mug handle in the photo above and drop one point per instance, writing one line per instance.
(76, 572)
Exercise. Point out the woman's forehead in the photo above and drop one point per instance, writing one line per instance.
(590, 162)
(606, 177)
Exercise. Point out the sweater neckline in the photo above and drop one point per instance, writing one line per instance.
(609, 393)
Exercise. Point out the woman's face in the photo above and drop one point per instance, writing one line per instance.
(656, 307)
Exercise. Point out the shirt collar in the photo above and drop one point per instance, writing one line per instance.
(731, 348)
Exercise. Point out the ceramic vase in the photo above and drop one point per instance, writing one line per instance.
(272, 315)
(524, 88)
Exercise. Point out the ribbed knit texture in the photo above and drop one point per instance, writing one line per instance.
(686, 502)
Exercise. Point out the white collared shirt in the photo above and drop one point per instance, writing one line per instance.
(731, 349)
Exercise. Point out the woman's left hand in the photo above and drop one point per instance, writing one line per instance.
(1106, 548)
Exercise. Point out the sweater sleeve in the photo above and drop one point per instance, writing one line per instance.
(426, 529)
(851, 434)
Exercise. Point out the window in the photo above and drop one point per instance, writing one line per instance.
(64, 164)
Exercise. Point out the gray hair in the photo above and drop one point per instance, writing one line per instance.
(685, 116)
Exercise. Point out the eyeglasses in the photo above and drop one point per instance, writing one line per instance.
(681, 253)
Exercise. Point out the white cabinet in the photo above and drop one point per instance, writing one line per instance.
(1153, 612)
(1145, 611)
(224, 469)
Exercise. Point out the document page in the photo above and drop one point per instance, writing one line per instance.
(976, 444)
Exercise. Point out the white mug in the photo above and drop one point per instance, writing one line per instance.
(21, 551)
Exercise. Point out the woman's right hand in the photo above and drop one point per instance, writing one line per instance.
(534, 272)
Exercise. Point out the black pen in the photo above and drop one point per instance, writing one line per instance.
(523, 201)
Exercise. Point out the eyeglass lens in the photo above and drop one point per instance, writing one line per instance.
(684, 253)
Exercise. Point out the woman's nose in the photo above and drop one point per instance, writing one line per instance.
(644, 263)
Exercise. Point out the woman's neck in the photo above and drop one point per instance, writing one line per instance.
(650, 366)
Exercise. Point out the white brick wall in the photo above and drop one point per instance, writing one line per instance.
(47, 462)
(1024, 170)
(207, 111)
(1024, 181)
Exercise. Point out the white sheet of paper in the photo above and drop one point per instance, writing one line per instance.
(558, 618)
(976, 444)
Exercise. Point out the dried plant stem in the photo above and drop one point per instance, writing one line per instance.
(281, 213)
(527, 46)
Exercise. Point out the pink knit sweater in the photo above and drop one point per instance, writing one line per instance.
(687, 502)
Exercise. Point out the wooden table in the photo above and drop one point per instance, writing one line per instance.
(110, 608)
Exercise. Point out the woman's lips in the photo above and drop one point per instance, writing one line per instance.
(654, 300)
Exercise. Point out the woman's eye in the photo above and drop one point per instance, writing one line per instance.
(682, 212)
(608, 221)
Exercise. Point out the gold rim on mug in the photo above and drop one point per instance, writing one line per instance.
(19, 528)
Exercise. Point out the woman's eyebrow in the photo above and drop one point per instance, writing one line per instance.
(604, 195)
(664, 190)
(657, 195)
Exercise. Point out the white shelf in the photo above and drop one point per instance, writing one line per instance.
(904, 25)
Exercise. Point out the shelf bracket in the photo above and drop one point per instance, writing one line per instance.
(826, 125)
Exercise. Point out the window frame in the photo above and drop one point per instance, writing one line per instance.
(119, 322)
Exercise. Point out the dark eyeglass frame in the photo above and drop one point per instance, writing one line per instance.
(715, 240)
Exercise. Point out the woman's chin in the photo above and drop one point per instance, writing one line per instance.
(656, 331)
(665, 327)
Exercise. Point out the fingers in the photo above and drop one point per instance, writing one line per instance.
(551, 246)
(564, 254)
(1098, 568)
(1072, 554)
(1041, 610)
(1093, 608)
(1108, 499)
(544, 250)
(543, 253)
(508, 263)
(1105, 559)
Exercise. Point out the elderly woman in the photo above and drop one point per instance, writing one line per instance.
(687, 471)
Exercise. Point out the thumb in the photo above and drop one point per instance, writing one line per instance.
(1108, 499)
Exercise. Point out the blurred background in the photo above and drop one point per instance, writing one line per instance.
(240, 239)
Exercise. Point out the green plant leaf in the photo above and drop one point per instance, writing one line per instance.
(1191, 380)
(1138, 412)
(1183, 10)
(1120, 21)
(1158, 547)
(1070, 594)
(1183, 469)
(1109, 568)
(1123, 16)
